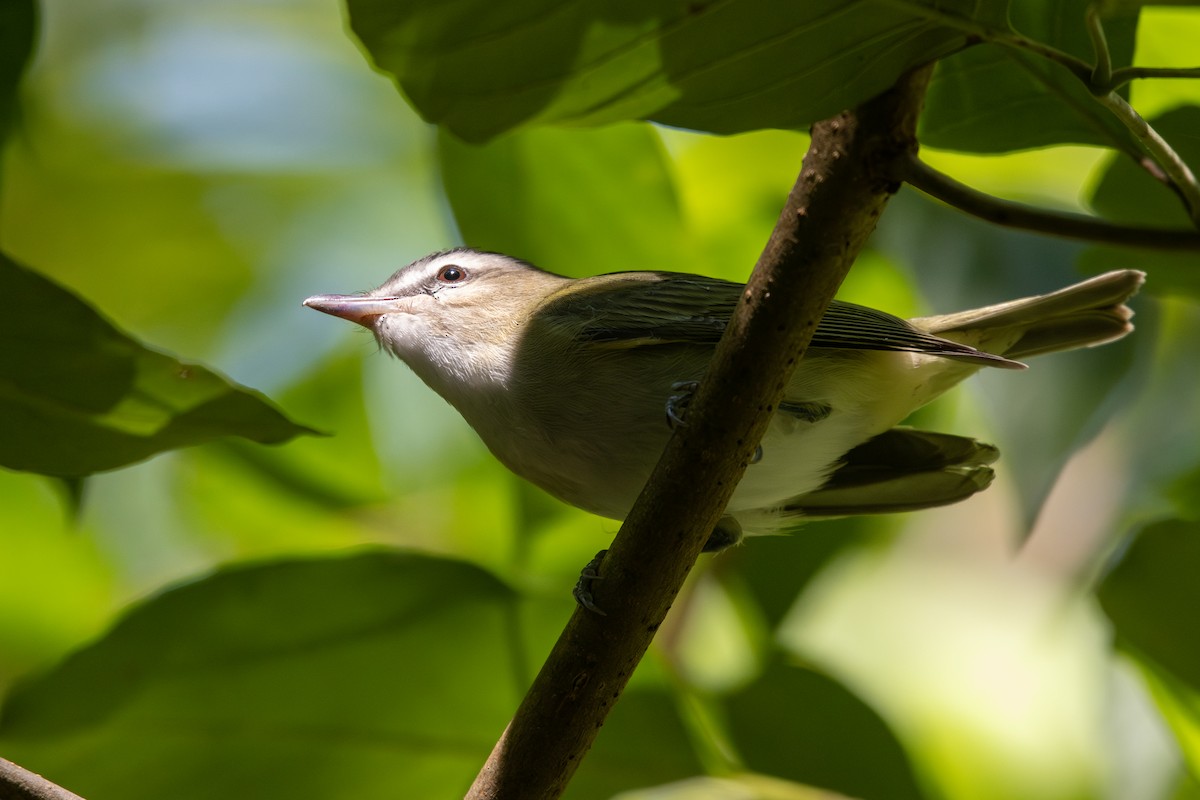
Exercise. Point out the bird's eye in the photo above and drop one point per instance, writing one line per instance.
(452, 273)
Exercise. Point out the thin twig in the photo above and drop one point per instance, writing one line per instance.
(842, 189)
(1056, 223)
(1124, 75)
(18, 783)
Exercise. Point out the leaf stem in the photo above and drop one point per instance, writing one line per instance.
(1024, 217)
(1182, 179)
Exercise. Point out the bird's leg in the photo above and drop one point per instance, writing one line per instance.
(677, 404)
(583, 587)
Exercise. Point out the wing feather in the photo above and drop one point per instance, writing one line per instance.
(631, 309)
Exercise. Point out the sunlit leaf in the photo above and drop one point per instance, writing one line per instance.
(995, 98)
(482, 68)
(78, 396)
(1180, 707)
(803, 726)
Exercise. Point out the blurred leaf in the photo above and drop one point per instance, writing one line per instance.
(642, 743)
(993, 99)
(1043, 415)
(775, 570)
(18, 29)
(378, 674)
(77, 396)
(581, 202)
(300, 679)
(1184, 493)
(482, 68)
(1151, 596)
(803, 726)
(1180, 707)
(337, 471)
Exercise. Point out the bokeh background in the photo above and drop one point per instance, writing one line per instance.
(194, 170)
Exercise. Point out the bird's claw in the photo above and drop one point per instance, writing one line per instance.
(583, 587)
(677, 404)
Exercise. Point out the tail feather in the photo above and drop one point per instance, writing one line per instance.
(1084, 315)
(900, 470)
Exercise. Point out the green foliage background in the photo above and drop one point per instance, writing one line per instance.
(357, 613)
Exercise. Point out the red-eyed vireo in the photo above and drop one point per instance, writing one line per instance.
(570, 382)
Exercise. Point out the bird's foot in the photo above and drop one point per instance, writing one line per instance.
(583, 587)
(677, 404)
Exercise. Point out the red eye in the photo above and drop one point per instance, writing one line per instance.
(451, 273)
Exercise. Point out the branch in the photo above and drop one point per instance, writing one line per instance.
(841, 191)
(18, 783)
(1056, 223)
(1124, 75)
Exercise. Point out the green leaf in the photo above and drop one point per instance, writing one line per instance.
(18, 29)
(483, 68)
(78, 396)
(577, 202)
(803, 726)
(1151, 596)
(373, 675)
(995, 98)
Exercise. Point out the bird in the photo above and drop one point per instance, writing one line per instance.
(575, 384)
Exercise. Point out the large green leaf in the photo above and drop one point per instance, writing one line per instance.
(18, 26)
(372, 675)
(995, 98)
(78, 396)
(483, 68)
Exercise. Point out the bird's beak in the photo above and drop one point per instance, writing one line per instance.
(355, 308)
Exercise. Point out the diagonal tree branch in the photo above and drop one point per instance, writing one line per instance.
(843, 186)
